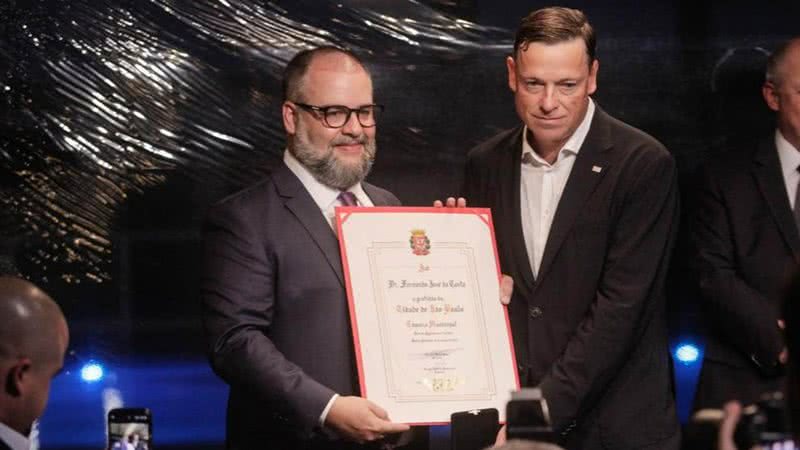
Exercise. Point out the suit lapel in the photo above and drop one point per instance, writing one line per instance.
(299, 202)
(591, 165)
(769, 177)
(377, 197)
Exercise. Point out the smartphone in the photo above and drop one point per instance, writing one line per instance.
(130, 429)
(473, 430)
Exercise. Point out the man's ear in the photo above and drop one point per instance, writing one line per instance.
(768, 91)
(289, 113)
(16, 377)
(511, 67)
(593, 69)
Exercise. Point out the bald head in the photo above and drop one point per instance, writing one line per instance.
(33, 341)
(33, 324)
(324, 58)
(783, 60)
(781, 90)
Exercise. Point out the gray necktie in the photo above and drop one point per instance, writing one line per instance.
(347, 198)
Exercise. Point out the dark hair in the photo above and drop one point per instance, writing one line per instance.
(777, 57)
(554, 25)
(298, 66)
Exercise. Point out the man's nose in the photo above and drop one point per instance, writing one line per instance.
(352, 127)
(549, 102)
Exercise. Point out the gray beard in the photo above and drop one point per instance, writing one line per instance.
(327, 168)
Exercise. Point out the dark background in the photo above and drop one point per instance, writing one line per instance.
(122, 121)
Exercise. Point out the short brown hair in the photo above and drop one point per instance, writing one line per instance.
(298, 66)
(554, 25)
(776, 59)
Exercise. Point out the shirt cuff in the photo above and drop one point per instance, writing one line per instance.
(327, 409)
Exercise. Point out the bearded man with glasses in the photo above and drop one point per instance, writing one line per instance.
(275, 304)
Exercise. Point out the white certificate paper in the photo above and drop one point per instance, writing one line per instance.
(431, 336)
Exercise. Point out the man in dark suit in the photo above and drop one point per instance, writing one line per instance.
(744, 234)
(33, 341)
(586, 211)
(275, 305)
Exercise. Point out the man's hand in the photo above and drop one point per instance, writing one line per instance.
(360, 420)
(506, 289)
(451, 202)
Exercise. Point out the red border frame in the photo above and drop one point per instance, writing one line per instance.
(343, 213)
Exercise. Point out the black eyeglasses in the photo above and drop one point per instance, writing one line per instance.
(335, 116)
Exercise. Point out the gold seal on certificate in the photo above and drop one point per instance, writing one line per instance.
(430, 333)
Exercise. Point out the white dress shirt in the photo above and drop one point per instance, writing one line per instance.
(541, 186)
(327, 200)
(790, 161)
(13, 439)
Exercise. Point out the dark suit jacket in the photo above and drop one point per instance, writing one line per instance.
(590, 330)
(3, 445)
(745, 244)
(276, 311)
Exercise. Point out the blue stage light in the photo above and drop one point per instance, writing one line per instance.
(687, 353)
(91, 372)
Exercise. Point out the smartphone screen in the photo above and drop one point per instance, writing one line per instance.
(782, 445)
(130, 429)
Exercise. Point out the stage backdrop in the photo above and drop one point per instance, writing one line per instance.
(122, 121)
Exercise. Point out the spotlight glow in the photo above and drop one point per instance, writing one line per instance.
(687, 353)
(92, 372)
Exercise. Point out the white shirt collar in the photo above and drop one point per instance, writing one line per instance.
(13, 439)
(324, 196)
(573, 144)
(788, 155)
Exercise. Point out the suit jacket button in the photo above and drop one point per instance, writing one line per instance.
(535, 312)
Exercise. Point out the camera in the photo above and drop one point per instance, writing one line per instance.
(473, 430)
(763, 423)
(528, 417)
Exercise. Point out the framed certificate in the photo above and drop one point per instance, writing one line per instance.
(431, 336)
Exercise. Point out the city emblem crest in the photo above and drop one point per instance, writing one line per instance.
(420, 244)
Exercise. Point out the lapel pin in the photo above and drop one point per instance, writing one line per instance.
(597, 169)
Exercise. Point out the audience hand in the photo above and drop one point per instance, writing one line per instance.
(733, 410)
(501, 437)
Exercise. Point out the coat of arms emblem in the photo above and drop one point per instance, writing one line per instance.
(420, 244)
